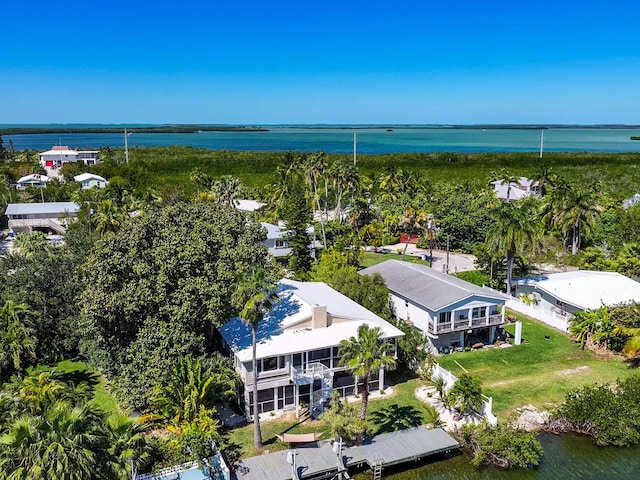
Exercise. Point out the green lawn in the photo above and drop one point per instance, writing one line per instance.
(396, 411)
(539, 373)
(369, 259)
(80, 374)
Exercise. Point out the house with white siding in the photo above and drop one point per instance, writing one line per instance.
(59, 155)
(91, 180)
(450, 311)
(297, 348)
(34, 180)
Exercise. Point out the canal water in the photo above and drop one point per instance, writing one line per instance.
(565, 457)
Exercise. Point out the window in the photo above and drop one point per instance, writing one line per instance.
(479, 312)
(297, 360)
(280, 244)
(445, 317)
(271, 363)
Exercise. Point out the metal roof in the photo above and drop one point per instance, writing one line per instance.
(586, 289)
(425, 286)
(53, 208)
(278, 334)
(88, 176)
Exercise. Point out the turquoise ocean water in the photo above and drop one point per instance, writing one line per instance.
(369, 140)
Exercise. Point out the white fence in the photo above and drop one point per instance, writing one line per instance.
(553, 319)
(450, 379)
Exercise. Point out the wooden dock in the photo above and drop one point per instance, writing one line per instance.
(320, 462)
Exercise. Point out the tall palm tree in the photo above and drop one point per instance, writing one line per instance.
(255, 295)
(16, 335)
(515, 229)
(573, 210)
(544, 177)
(411, 221)
(506, 178)
(315, 167)
(364, 355)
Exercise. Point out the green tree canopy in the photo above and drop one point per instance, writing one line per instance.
(156, 289)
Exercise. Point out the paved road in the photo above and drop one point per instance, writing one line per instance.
(458, 262)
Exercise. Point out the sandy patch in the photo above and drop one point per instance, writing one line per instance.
(574, 371)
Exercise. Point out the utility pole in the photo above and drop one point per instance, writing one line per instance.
(126, 145)
(354, 148)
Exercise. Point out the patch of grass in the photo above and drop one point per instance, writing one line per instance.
(79, 374)
(369, 259)
(396, 411)
(539, 372)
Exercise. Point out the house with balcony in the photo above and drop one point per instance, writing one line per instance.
(298, 348)
(47, 216)
(451, 311)
(59, 155)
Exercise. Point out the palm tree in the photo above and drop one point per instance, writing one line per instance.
(591, 326)
(575, 210)
(466, 394)
(16, 335)
(439, 383)
(315, 167)
(128, 448)
(190, 387)
(65, 443)
(108, 217)
(364, 355)
(31, 244)
(544, 177)
(255, 295)
(411, 221)
(514, 230)
(507, 178)
(37, 394)
(227, 190)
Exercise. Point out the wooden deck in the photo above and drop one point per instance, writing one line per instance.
(320, 461)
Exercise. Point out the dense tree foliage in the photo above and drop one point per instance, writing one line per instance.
(501, 446)
(155, 290)
(609, 414)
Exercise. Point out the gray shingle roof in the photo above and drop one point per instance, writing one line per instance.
(425, 286)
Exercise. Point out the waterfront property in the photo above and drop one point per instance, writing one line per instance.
(90, 180)
(248, 205)
(297, 350)
(451, 311)
(213, 468)
(325, 460)
(47, 217)
(561, 294)
(59, 155)
(34, 180)
(277, 242)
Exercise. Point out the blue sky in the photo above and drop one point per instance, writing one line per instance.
(277, 62)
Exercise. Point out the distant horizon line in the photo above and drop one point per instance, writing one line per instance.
(338, 125)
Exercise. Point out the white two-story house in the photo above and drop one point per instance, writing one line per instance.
(297, 350)
(59, 155)
(451, 311)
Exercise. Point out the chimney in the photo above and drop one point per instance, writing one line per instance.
(319, 317)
